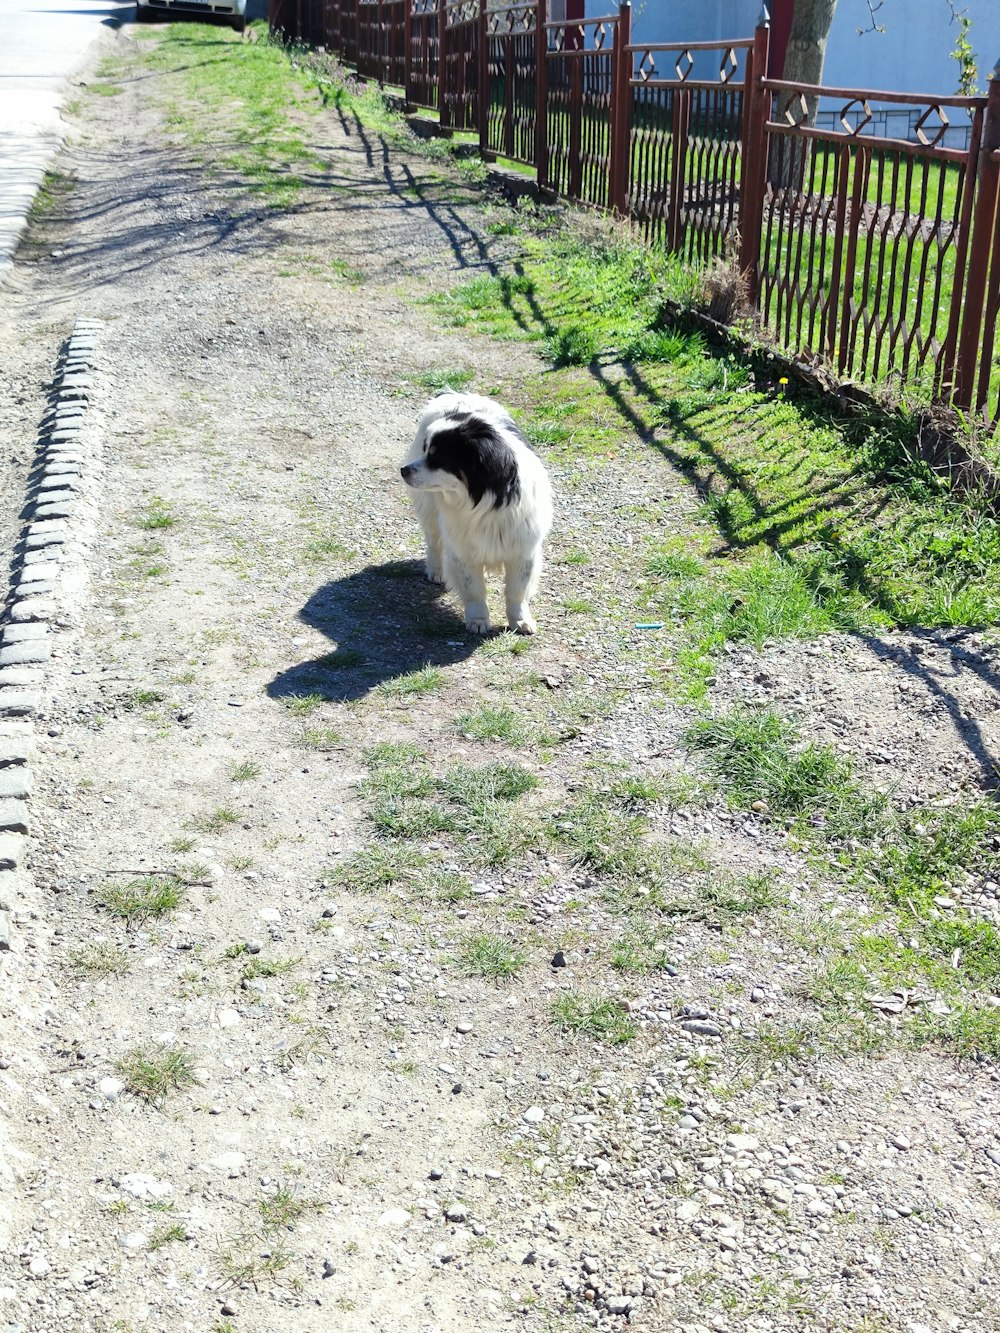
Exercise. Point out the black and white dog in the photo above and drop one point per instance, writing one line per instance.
(483, 500)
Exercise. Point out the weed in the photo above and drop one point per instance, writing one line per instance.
(142, 699)
(341, 659)
(736, 895)
(282, 1209)
(100, 960)
(322, 739)
(268, 967)
(321, 548)
(243, 772)
(182, 844)
(167, 1235)
(220, 819)
(759, 757)
(494, 723)
(601, 1018)
(640, 952)
(436, 380)
(154, 1072)
(140, 899)
(301, 705)
(247, 1260)
(493, 957)
(375, 867)
(477, 789)
(157, 514)
(422, 681)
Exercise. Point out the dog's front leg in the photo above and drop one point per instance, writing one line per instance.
(430, 521)
(470, 584)
(520, 582)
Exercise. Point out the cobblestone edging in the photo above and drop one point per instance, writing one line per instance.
(46, 574)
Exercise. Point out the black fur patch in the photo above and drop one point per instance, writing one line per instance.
(477, 453)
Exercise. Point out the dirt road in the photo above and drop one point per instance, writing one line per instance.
(311, 1020)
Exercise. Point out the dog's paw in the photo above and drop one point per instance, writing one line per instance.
(477, 625)
(525, 625)
(434, 575)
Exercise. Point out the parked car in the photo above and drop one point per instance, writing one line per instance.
(233, 10)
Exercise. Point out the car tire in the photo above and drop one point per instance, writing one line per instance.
(240, 23)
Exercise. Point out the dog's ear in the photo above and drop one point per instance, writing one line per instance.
(475, 449)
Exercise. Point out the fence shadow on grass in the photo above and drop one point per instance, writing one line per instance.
(383, 622)
(638, 403)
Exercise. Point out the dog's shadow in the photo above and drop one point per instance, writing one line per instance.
(384, 622)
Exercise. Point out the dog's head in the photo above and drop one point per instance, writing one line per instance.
(458, 452)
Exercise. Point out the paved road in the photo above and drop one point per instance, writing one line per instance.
(42, 43)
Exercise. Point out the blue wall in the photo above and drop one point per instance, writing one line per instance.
(912, 55)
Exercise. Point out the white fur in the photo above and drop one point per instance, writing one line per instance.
(463, 540)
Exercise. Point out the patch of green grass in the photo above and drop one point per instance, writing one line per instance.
(322, 739)
(234, 105)
(340, 659)
(611, 842)
(436, 380)
(323, 548)
(640, 952)
(301, 705)
(422, 681)
(55, 188)
(759, 758)
(167, 1235)
(736, 895)
(156, 515)
(826, 523)
(476, 789)
(144, 698)
(376, 867)
(788, 1045)
(494, 722)
(218, 821)
(268, 967)
(244, 771)
(411, 818)
(602, 1018)
(140, 899)
(493, 957)
(153, 1072)
(282, 1209)
(354, 277)
(574, 556)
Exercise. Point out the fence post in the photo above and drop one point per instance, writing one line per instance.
(944, 382)
(443, 117)
(754, 154)
(407, 50)
(483, 109)
(621, 109)
(541, 94)
(970, 348)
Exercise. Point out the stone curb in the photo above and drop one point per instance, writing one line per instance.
(37, 601)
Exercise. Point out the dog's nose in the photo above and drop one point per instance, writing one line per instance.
(406, 471)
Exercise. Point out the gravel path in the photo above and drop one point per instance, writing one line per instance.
(367, 1135)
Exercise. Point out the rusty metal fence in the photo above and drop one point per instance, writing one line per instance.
(879, 255)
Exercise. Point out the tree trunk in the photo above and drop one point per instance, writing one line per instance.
(811, 22)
